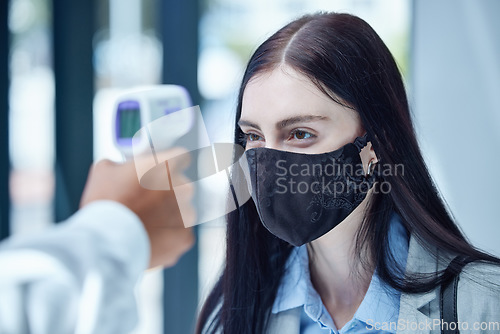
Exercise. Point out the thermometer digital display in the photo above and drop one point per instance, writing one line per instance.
(141, 107)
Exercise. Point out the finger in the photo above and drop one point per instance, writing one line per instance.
(189, 217)
(150, 168)
(171, 153)
(102, 164)
(179, 162)
(179, 179)
(184, 193)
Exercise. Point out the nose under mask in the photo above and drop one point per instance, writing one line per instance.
(300, 197)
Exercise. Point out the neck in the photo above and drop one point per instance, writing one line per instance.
(336, 271)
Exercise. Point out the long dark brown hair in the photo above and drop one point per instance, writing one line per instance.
(348, 61)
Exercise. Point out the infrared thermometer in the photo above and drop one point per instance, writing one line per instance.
(139, 110)
(150, 120)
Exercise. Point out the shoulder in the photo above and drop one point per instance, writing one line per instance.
(478, 295)
(481, 277)
(285, 321)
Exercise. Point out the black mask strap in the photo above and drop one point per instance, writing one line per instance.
(361, 142)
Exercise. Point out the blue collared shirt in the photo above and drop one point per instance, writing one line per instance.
(377, 313)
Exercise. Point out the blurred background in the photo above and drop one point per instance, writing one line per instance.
(63, 63)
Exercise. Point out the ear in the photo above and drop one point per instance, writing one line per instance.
(367, 154)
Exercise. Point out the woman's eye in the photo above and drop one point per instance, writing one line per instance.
(301, 134)
(253, 137)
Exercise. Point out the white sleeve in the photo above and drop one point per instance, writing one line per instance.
(78, 277)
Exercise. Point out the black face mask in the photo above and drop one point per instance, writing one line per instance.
(300, 197)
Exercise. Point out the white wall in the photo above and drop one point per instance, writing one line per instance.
(455, 96)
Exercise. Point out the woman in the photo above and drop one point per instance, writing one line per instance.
(370, 255)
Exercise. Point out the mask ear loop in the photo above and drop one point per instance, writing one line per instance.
(361, 142)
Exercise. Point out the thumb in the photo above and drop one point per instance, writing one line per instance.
(178, 159)
(151, 169)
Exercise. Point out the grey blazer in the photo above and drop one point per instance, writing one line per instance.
(478, 300)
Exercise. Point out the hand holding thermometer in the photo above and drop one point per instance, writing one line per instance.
(138, 109)
(151, 120)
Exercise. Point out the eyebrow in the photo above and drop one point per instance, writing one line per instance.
(286, 122)
(299, 119)
(242, 122)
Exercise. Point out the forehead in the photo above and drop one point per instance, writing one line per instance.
(284, 92)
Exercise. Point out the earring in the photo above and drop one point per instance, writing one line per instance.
(371, 167)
